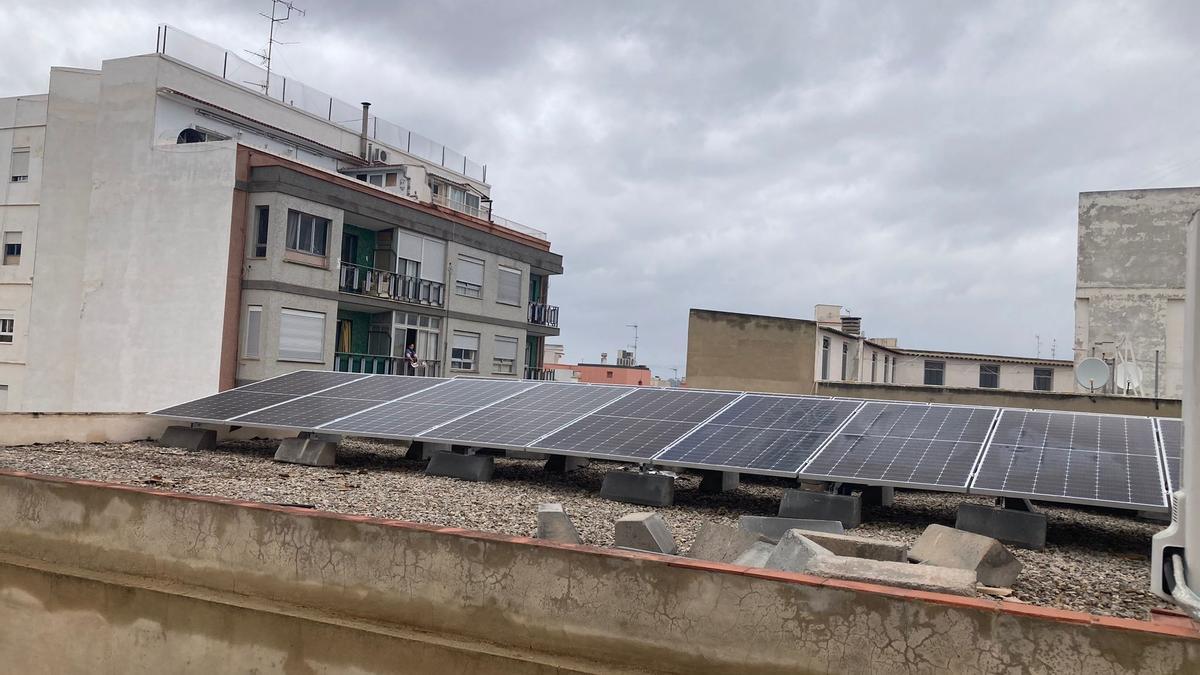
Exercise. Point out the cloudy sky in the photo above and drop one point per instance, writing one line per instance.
(919, 163)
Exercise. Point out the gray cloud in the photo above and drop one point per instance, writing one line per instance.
(917, 162)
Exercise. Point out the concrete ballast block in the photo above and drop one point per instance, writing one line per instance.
(645, 531)
(846, 509)
(467, 467)
(721, 543)
(902, 575)
(189, 438)
(307, 450)
(565, 464)
(794, 552)
(860, 547)
(756, 556)
(555, 525)
(879, 495)
(714, 482)
(1026, 529)
(944, 546)
(648, 489)
(524, 454)
(774, 528)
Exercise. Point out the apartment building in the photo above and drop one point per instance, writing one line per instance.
(728, 350)
(175, 224)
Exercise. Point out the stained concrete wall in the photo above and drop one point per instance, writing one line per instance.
(727, 350)
(1130, 279)
(1116, 405)
(29, 428)
(121, 579)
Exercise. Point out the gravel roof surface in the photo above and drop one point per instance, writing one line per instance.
(1096, 560)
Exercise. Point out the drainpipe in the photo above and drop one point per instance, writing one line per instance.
(362, 143)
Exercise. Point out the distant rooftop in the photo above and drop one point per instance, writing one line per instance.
(227, 65)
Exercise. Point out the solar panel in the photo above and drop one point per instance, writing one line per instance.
(526, 417)
(308, 412)
(303, 382)
(427, 409)
(223, 406)
(1105, 460)
(906, 445)
(760, 433)
(636, 427)
(1171, 432)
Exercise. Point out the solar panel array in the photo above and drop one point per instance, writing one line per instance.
(1108, 460)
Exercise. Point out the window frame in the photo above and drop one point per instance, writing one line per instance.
(284, 311)
(295, 234)
(845, 360)
(13, 176)
(7, 258)
(516, 299)
(996, 374)
(8, 334)
(247, 342)
(459, 359)
(469, 289)
(874, 364)
(1048, 373)
(940, 370)
(824, 358)
(504, 366)
(262, 231)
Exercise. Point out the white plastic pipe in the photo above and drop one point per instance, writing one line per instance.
(1189, 472)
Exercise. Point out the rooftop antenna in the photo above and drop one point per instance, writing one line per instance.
(1039, 345)
(634, 326)
(1053, 347)
(289, 7)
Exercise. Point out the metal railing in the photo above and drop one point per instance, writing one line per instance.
(380, 364)
(475, 211)
(518, 227)
(539, 373)
(483, 213)
(229, 66)
(543, 314)
(377, 283)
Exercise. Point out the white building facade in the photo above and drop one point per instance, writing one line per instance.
(198, 234)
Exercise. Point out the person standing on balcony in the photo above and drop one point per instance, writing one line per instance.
(410, 353)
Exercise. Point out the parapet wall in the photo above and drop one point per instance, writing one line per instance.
(1042, 400)
(103, 578)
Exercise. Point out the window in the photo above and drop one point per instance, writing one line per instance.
(301, 336)
(825, 358)
(893, 380)
(469, 281)
(3, 397)
(389, 179)
(262, 217)
(874, 361)
(935, 372)
(7, 327)
(307, 233)
(608, 374)
(509, 290)
(12, 248)
(464, 352)
(19, 170)
(845, 359)
(253, 336)
(989, 376)
(504, 360)
(1043, 379)
(375, 179)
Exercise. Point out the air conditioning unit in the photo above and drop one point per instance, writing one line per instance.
(379, 155)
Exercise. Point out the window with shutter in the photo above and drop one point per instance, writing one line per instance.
(301, 336)
(504, 360)
(464, 352)
(509, 290)
(469, 280)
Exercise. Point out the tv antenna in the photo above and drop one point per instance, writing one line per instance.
(265, 55)
(634, 326)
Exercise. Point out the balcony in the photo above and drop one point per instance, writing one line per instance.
(543, 314)
(377, 283)
(539, 373)
(484, 213)
(378, 364)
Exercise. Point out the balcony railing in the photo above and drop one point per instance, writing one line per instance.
(539, 373)
(379, 364)
(379, 283)
(543, 314)
(483, 213)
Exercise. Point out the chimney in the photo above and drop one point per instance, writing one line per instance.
(852, 325)
(604, 358)
(362, 143)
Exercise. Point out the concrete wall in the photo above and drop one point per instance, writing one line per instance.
(120, 579)
(29, 428)
(1119, 405)
(727, 350)
(964, 372)
(1130, 279)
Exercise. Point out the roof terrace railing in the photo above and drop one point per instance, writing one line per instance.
(225, 64)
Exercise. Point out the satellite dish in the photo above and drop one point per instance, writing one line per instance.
(1091, 373)
(1128, 376)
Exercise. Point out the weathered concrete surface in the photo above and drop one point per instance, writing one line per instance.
(917, 577)
(553, 524)
(721, 543)
(987, 558)
(645, 531)
(465, 467)
(307, 450)
(794, 552)
(756, 556)
(860, 547)
(847, 509)
(774, 528)
(119, 579)
(1026, 529)
(189, 438)
(632, 487)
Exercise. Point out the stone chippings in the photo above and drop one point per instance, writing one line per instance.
(1095, 561)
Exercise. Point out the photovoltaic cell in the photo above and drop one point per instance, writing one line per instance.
(636, 427)
(224, 406)
(1171, 432)
(1107, 460)
(303, 382)
(905, 444)
(383, 387)
(761, 433)
(427, 409)
(526, 417)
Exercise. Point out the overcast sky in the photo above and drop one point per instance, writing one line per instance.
(919, 163)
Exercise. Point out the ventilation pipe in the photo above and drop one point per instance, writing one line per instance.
(362, 137)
